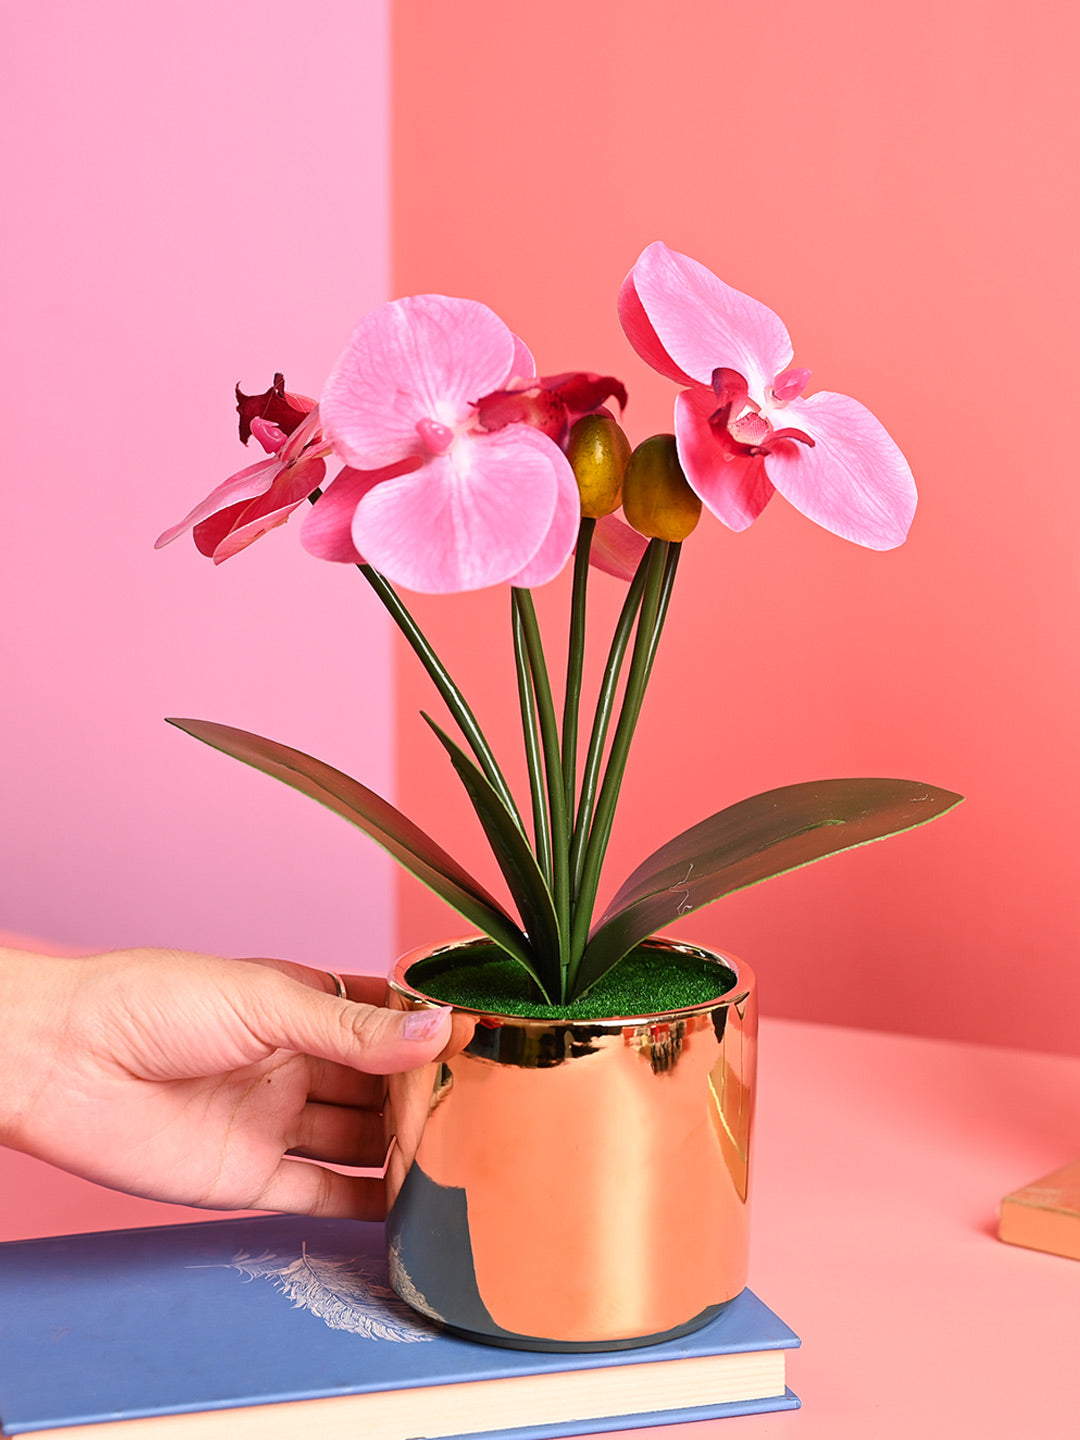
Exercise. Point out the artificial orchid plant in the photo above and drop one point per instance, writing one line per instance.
(462, 468)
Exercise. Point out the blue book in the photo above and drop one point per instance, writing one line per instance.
(284, 1326)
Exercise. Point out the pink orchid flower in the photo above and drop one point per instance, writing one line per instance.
(256, 500)
(327, 532)
(436, 495)
(743, 426)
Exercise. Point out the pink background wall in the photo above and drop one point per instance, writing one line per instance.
(896, 182)
(191, 205)
(191, 198)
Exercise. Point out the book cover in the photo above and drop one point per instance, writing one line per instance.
(1046, 1214)
(193, 1329)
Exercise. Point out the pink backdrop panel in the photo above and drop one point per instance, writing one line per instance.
(192, 199)
(895, 183)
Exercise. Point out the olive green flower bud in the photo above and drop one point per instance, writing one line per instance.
(657, 501)
(598, 451)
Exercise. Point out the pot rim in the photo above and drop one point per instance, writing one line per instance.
(736, 994)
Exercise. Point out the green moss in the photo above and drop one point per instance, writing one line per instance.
(647, 981)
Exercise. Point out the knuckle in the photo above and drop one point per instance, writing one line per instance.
(371, 1027)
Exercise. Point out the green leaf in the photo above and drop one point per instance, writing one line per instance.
(406, 842)
(517, 862)
(752, 841)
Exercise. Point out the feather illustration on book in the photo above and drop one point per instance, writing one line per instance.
(338, 1289)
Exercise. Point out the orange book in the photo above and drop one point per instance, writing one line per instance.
(1046, 1214)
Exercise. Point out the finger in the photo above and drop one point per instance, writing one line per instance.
(300, 1188)
(340, 1135)
(371, 989)
(380, 1041)
(462, 1030)
(366, 989)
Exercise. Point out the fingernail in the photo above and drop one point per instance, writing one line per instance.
(423, 1024)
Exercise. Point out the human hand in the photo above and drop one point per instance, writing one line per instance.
(201, 1081)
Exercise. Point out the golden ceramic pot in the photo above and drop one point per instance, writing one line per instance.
(576, 1185)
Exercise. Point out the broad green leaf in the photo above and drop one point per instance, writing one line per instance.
(517, 862)
(752, 841)
(406, 842)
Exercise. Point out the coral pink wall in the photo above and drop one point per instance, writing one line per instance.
(192, 197)
(897, 183)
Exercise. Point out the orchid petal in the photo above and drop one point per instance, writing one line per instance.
(308, 432)
(734, 487)
(583, 392)
(523, 366)
(270, 436)
(701, 323)
(551, 403)
(853, 481)
(427, 357)
(534, 406)
(617, 548)
(276, 405)
(227, 533)
(731, 392)
(243, 486)
(639, 331)
(327, 531)
(473, 517)
(558, 544)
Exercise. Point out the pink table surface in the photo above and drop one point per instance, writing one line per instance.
(880, 1163)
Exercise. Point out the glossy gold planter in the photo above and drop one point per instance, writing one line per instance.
(577, 1185)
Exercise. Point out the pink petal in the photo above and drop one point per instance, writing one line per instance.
(270, 436)
(225, 534)
(639, 331)
(734, 487)
(854, 481)
(309, 431)
(473, 517)
(523, 366)
(583, 392)
(427, 357)
(244, 485)
(558, 544)
(701, 323)
(290, 489)
(327, 531)
(534, 406)
(275, 404)
(617, 548)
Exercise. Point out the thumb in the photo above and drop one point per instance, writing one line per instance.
(292, 1016)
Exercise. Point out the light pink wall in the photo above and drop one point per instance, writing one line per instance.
(898, 182)
(193, 196)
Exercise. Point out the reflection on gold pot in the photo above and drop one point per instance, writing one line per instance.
(576, 1184)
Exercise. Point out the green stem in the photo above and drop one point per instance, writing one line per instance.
(549, 736)
(667, 585)
(605, 704)
(541, 825)
(645, 643)
(441, 678)
(444, 683)
(575, 660)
